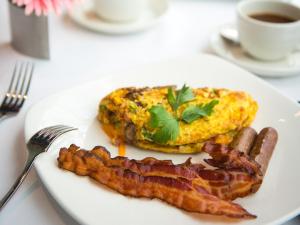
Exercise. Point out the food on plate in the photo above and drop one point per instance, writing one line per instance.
(244, 140)
(194, 187)
(264, 146)
(166, 185)
(175, 121)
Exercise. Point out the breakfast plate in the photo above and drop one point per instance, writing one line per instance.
(91, 203)
(84, 15)
(289, 66)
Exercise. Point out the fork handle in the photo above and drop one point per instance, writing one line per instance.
(17, 183)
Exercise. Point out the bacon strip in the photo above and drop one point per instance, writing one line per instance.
(239, 175)
(152, 167)
(148, 166)
(230, 184)
(230, 159)
(225, 184)
(129, 178)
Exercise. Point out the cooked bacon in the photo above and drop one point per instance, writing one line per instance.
(225, 184)
(237, 176)
(230, 159)
(152, 167)
(147, 166)
(157, 179)
(230, 184)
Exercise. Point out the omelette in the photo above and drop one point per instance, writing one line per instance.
(125, 117)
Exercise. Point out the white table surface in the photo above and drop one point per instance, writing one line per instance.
(78, 56)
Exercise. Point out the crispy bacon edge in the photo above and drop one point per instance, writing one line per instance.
(227, 184)
(152, 178)
(237, 175)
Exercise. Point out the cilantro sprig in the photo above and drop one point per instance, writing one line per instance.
(194, 112)
(184, 95)
(166, 125)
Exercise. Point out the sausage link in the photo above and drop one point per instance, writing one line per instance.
(244, 140)
(263, 147)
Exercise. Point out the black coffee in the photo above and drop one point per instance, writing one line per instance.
(272, 18)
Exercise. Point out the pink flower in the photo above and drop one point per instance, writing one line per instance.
(40, 7)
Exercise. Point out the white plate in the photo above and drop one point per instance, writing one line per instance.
(234, 53)
(90, 203)
(84, 15)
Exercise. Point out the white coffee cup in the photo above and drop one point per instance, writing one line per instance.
(120, 10)
(268, 40)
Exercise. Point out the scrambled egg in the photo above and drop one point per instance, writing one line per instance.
(124, 115)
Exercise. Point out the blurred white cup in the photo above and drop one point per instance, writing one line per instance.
(266, 40)
(120, 10)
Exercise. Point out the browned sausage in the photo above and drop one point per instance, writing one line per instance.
(244, 140)
(263, 147)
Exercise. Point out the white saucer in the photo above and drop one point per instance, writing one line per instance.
(84, 15)
(234, 53)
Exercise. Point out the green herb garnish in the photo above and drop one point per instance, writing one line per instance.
(194, 112)
(167, 127)
(184, 95)
(166, 124)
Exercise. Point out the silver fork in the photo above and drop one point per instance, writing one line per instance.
(18, 89)
(38, 143)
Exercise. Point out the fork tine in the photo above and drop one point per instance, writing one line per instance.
(29, 80)
(24, 79)
(8, 95)
(13, 90)
(55, 135)
(24, 88)
(47, 135)
(46, 130)
(62, 129)
(54, 130)
(18, 88)
(20, 76)
(16, 91)
(10, 88)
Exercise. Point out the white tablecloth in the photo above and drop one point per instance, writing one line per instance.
(78, 56)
